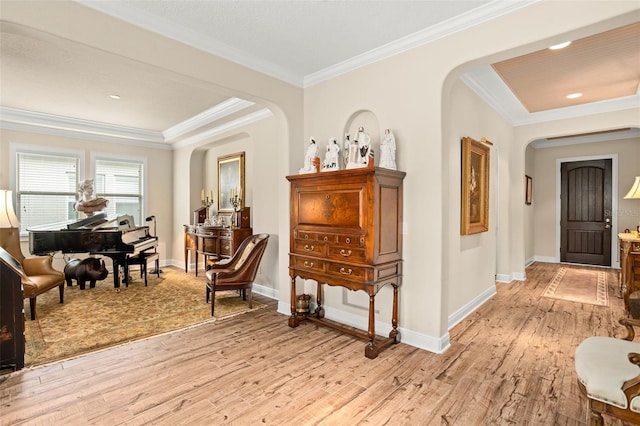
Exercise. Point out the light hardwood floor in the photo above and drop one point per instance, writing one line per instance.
(510, 363)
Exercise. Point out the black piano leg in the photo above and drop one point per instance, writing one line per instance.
(116, 274)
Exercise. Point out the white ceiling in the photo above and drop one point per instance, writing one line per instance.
(63, 85)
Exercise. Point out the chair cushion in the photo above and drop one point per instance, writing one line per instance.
(35, 285)
(602, 367)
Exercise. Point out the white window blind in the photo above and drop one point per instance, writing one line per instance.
(46, 189)
(121, 182)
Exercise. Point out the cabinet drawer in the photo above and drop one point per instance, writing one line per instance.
(224, 234)
(309, 247)
(306, 236)
(346, 271)
(351, 240)
(347, 253)
(226, 248)
(635, 247)
(308, 264)
(327, 238)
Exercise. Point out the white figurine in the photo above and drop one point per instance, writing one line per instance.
(347, 148)
(388, 150)
(331, 157)
(89, 203)
(360, 150)
(312, 153)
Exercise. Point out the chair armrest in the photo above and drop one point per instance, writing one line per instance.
(629, 323)
(40, 265)
(634, 358)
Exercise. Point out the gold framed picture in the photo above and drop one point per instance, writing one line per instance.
(475, 187)
(230, 182)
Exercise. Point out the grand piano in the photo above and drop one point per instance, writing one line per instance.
(118, 239)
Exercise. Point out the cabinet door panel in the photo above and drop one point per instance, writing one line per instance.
(329, 208)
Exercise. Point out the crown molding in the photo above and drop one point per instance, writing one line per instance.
(466, 20)
(56, 124)
(603, 137)
(492, 90)
(29, 128)
(231, 125)
(219, 111)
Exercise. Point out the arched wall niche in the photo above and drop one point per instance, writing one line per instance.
(369, 121)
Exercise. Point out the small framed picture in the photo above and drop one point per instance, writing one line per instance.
(528, 189)
(475, 187)
(230, 181)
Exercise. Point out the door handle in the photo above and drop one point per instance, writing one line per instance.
(607, 223)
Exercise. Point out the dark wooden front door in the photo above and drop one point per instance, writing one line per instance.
(585, 223)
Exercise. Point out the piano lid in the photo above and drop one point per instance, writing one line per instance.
(87, 223)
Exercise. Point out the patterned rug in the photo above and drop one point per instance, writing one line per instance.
(99, 317)
(579, 285)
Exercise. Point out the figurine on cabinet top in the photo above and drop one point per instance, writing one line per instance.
(310, 156)
(360, 150)
(388, 150)
(331, 157)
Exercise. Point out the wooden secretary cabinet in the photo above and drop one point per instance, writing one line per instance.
(346, 230)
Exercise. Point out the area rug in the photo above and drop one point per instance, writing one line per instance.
(96, 318)
(579, 285)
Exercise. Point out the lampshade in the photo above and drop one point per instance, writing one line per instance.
(634, 192)
(8, 217)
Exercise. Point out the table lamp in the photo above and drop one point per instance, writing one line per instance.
(634, 193)
(9, 225)
(8, 217)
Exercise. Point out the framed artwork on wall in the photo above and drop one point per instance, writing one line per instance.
(230, 182)
(475, 187)
(528, 189)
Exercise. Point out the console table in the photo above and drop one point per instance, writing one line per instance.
(346, 230)
(629, 254)
(212, 242)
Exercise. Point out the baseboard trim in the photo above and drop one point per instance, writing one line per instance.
(456, 317)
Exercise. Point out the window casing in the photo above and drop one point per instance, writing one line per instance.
(46, 187)
(122, 183)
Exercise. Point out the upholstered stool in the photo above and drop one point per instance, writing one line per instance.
(609, 375)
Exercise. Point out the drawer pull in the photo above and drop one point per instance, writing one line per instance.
(345, 272)
(308, 248)
(306, 236)
(326, 238)
(348, 241)
(345, 253)
(308, 264)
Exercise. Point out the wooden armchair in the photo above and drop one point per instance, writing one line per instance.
(608, 372)
(239, 272)
(39, 275)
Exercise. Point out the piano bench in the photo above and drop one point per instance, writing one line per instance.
(142, 259)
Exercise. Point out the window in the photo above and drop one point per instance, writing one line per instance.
(121, 182)
(45, 188)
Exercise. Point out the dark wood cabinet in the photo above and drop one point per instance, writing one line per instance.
(12, 344)
(212, 242)
(346, 230)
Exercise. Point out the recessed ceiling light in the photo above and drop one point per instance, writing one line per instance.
(114, 96)
(560, 45)
(574, 95)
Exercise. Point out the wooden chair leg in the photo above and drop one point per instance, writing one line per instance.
(61, 291)
(32, 305)
(250, 298)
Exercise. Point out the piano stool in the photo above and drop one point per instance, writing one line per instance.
(141, 259)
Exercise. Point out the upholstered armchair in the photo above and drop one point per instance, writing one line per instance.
(608, 372)
(39, 274)
(239, 272)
